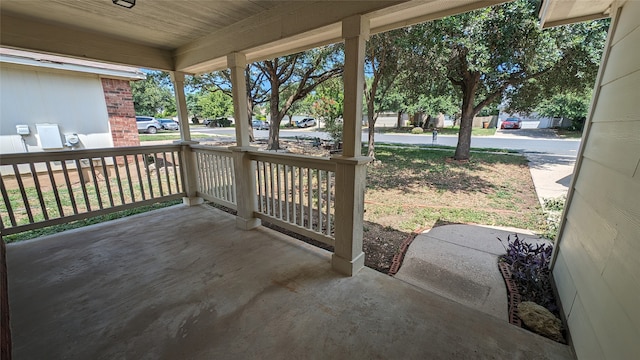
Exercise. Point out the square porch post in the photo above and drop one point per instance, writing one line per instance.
(351, 170)
(245, 171)
(188, 160)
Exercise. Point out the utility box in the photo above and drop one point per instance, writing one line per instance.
(49, 135)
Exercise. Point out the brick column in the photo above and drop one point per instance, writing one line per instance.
(122, 115)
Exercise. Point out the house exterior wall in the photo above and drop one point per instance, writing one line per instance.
(122, 115)
(76, 102)
(597, 268)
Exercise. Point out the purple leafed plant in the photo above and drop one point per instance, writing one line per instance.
(530, 270)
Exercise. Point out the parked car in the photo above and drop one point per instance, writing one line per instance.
(168, 124)
(148, 124)
(259, 125)
(218, 122)
(306, 122)
(511, 123)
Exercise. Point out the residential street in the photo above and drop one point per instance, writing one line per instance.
(537, 141)
(552, 159)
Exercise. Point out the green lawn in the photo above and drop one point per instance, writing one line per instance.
(160, 137)
(444, 131)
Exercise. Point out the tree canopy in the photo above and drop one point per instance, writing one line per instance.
(500, 53)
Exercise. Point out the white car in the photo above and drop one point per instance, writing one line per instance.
(306, 122)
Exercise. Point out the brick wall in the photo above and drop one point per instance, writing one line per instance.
(119, 99)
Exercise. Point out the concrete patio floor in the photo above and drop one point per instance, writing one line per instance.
(183, 283)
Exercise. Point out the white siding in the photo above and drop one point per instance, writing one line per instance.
(30, 96)
(597, 268)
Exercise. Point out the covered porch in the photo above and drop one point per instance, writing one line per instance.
(184, 283)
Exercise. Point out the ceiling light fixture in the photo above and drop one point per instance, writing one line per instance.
(125, 3)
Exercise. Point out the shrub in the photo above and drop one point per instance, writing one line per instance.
(417, 130)
(530, 270)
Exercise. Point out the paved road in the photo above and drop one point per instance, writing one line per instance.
(536, 141)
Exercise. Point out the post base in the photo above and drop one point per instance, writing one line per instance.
(247, 224)
(191, 201)
(347, 267)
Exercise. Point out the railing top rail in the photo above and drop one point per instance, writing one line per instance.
(211, 148)
(10, 159)
(295, 160)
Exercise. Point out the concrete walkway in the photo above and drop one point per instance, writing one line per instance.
(460, 262)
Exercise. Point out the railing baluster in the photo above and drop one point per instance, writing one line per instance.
(137, 162)
(229, 180)
(7, 203)
(129, 178)
(83, 186)
(106, 179)
(25, 199)
(278, 198)
(301, 195)
(272, 190)
(319, 173)
(175, 171)
(95, 183)
(36, 183)
(118, 180)
(293, 194)
(158, 177)
(232, 166)
(166, 173)
(54, 187)
(146, 170)
(328, 205)
(286, 192)
(72, 197)
(259, 187)
(309, 197)
(266, 188)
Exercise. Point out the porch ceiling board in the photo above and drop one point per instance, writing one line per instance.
(562, 12)
(196, 36)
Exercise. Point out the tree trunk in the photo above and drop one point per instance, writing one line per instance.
(399, 123)
(274, 105)
(466, 120)
(274, 129)
(252, 138)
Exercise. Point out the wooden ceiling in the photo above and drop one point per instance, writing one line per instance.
(562, 12)
(196, 35)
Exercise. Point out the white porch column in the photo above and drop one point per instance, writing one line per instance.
(351, 170)
(237, 63)
(245, 172)
(177, 78)
(188, 160)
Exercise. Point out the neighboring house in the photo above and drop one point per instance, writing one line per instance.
(53, 103)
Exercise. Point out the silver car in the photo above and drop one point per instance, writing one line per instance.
(148, 124)
(168, 124)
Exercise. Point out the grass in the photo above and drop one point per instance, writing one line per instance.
(568, 134)
(160, 137)
(444, 131)
(417, 187)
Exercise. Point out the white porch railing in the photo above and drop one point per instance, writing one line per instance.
(216, 180)
(49, 188)
(296, 193)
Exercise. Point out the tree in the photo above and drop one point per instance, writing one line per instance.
(153, 96)
(327, 104)
(500, 52)
(297, 75)
(383, 63)
(569, 105)
(215, 105)
(257, 89)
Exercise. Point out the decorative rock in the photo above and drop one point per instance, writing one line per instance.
(540, 320)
